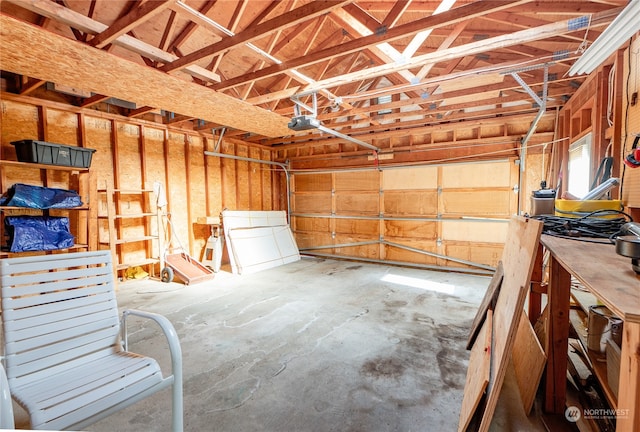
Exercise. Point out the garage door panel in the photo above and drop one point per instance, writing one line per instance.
(357, 181)
(479, 175)
(410, 178)
(410, 229)
(307, 240)
(393, 253)
(311, 224)
(361, 203)
(312, 202)
(429, 208)
(481, 253)
(475, 231)
(371, 251)
(411, 203)
(313, 182)
(477, 203)
(357, 226)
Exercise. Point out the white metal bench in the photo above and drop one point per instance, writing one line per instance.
(65, 361)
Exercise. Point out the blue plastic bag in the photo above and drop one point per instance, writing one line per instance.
(39, 197)
(38, 233)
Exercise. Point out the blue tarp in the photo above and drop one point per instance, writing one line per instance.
(39, 197)
(38, 233)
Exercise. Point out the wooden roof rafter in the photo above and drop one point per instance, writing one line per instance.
(124, 24)
(472, 48)
(451, 17)
(288, 19)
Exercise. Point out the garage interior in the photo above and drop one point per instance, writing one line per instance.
(401, 138)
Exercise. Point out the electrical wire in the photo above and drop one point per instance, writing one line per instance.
(594, 225)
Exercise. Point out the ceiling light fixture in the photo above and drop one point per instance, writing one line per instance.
(625, 25)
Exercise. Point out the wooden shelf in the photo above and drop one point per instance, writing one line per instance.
(141, 263)
(144, 222)
(127, 191)
(13, 208)
(7, 254)
(80, 218)
(135, 215)
(135, 239)
(579, 319)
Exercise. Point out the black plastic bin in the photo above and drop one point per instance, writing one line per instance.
(53, 154)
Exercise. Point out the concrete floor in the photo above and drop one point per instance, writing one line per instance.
(316, 345)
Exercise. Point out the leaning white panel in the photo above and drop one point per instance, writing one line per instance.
(258, 240)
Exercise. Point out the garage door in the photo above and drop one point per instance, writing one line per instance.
(451, 215)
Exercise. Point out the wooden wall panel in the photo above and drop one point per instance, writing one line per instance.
(155, 171)
(631, 183)
(192, 190)
(266, 190)
(213, 182)
(229, 178)
(411, 203)
(154, 156)
(128, 169)
(533, 175)
(197, 204)
(62, 127)
(177, 188)
(128, 164)
(98, 133)
(243, 191)
(410, 178)
(18, 121)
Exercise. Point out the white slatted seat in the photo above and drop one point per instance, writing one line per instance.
(64, 360)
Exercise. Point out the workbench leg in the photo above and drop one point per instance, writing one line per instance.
(535, 290)
(628, 418)
(558, 293)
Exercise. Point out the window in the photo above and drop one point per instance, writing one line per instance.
(579, 166)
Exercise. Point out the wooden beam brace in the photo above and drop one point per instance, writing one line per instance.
(140, 111)
(288, 19)
(144, 86)
(95, 99)
(31, 85)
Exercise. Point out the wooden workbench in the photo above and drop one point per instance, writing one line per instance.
(610, 278)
